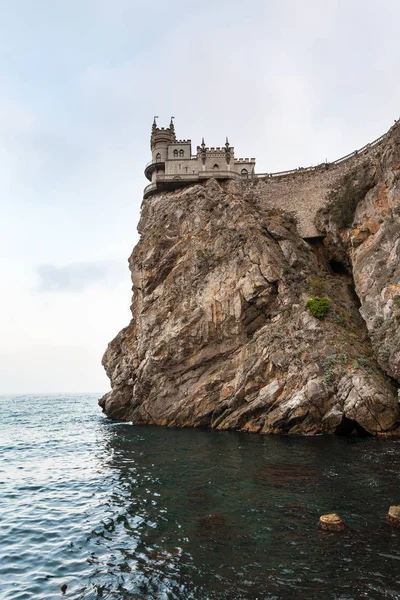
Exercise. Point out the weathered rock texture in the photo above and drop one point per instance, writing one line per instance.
(220, 336)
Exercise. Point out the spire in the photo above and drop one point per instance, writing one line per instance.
(172, 128)
(227, 151)
(153, 131)
(203, 153)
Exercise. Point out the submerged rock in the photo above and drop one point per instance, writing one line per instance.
(220, 335)
(213, 527)
(284, 474)
(198, 497)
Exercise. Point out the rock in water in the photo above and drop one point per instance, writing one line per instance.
(331, 522)
(394, 515)
(220, 334)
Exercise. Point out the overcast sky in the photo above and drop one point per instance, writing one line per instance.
(291, 82)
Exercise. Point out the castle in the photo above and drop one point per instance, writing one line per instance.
(173, 165)
(301, 192)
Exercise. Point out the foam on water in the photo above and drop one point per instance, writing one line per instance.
(118, 511)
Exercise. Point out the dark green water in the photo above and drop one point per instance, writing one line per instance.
(117, 511)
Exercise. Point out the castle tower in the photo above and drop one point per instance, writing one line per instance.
(160, 139)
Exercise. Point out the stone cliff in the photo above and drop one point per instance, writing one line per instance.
(220, 334)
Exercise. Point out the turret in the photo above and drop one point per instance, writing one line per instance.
(159, 140)
(172, 129)
(161, 137)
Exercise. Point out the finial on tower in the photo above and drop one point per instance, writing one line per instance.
(203, 151)
(153, 131)
(227, 151)
(172, 128)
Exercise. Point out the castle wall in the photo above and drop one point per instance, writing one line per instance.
(180, 166)
(186, 147)
(216, 157)
(239, 165)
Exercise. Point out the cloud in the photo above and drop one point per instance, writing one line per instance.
(77, 277)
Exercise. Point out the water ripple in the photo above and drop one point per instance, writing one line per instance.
(122, 512)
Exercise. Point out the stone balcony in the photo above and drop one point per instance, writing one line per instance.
(152, 166)
(172, 182)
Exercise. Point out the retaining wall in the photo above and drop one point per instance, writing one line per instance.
(303, 192)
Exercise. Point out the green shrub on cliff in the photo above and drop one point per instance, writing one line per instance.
(318, 307)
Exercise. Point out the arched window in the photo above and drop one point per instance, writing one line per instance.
(215, 167)
(158, 157)
(244, 172)
(175, 153)
(181, 152)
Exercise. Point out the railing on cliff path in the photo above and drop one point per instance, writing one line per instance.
(325, 165)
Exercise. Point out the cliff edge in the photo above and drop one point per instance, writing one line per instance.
(220, 334)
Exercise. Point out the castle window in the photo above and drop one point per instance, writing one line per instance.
(158, 157)
(181, 152)
(244, 172)
(175, 153)
(215, 167)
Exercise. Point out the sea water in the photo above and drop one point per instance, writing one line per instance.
(118, 511)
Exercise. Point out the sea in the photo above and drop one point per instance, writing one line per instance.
(93, 509)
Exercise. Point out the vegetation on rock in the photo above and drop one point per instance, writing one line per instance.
(318, 307)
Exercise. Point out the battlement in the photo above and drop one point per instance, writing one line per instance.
(161, 130)
(215, 148)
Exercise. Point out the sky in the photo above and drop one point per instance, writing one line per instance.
(291, 82)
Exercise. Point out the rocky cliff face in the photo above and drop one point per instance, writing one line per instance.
(220, 335)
